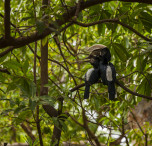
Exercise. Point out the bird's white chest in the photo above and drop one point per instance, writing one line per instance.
(88, 74)
(109, 73)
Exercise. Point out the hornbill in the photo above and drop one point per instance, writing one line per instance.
(108, 77)
(99, 58)
(92, 76)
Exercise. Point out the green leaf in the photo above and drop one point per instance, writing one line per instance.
(25, 18)
(12, 64)
(47, 130)
(29, 141)
(44, 41)
(35, 142)
(27, 87)
(32, 104)
(40, 26)
(64, 126)
(121, 51)
(25, 114)
(146, 16)
(146, 20)
(141, 63)
(12, 103)
(6, 111)
(55, 121)
(46, 99)
(101, 29)
(25, 66)
(126, 41)
(3, 58)
(145, 87)
(11, 86)
(126, 7)
(19, 109)
(80, 16)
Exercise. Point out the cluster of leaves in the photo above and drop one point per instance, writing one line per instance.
(131, 56)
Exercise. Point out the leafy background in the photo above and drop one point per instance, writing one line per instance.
(131, 55)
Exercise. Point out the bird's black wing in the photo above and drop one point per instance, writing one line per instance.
(111, 83)
(102, 68)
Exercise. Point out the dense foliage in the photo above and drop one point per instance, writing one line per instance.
(125, 27)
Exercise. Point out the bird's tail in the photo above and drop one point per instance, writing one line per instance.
(86, 92)
(111, 90)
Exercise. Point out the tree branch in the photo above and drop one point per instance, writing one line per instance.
(28, 132)
(131, 92)
(119, 84)
(22, 41)
(57, 131)
(7, 19)
(4, 70)
(77, 9)
(7, 51)
(138, 1)
(86, 127)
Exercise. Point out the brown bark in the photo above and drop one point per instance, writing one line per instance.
(56, 136)
(57, 131)
(44, 75)
(44, 70)
(37, 120)
(51, 111)
(7, 19)
(13, 138)
(44, 80)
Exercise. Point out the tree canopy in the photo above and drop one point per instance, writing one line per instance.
(43, 57)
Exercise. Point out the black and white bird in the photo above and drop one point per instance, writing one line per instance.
(92, 76)
(99, 58)
(108, 77)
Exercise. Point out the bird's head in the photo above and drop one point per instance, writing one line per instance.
(100, 52)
